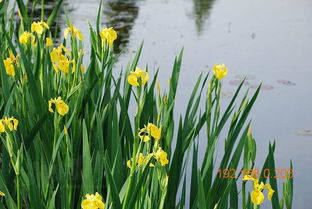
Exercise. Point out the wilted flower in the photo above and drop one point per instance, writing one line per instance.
(220, 71)
(93, 202)
(61, 107)
(108, 35)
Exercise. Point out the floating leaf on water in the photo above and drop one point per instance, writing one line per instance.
(245, 76)
(265, 87)
(306, 132)
(238, 82)
(286, 82)
(227, 95)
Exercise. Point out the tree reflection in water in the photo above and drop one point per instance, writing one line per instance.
(121, 14)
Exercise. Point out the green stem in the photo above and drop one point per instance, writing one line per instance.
(18, 192)
(42, 10)
(244, 196)
(255, 206)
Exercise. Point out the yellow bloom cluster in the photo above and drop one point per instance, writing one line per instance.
(39, 26)
(142, 160)
(160, 155)
(108, 35)
(138, 77)
(257, 196)
(220, 71)
(2, 194)
(9, 123)
(74, 32)
(93, 202)
(9, 64)
(59, 60)
(150, 130)
(36, 27)
(61, 107)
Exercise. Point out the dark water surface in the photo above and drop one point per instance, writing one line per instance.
(270, 41)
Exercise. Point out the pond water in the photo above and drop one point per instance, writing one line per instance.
(270, 41)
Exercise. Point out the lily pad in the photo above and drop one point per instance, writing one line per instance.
(227, 95)
(264, 87)
(306, 132)
(245, 76)
(238, 82)
(286, 82)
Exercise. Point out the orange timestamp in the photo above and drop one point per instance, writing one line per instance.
(256, 173)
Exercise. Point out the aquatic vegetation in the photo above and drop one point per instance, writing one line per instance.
(265, 87)
(89, 130)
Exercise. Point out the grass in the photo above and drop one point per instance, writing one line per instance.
(53, 160)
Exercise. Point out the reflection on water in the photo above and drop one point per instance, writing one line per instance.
(201, 12)
(121, 15)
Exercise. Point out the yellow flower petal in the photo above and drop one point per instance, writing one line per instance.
(270, 191)
(49, 42)
(25, 37)
(2, 128)
(155, 132)
(220, 71)
(129, 163)
(108, 35)
(93, 202)
(132, 80)
(257, 197)
(61, 107)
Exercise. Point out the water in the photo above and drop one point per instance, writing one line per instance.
(268, 40)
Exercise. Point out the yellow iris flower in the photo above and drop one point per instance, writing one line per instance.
(161, 156)
(59, 60)
(9, 123)
(2, 194)
(73, 31)
(9, 64)
(150, 130)
(49, 42)
(154, 130)
(138, 77)
(108, 35)
(220, 71)
(61, 107)
(93, 202)
(26, 37)
(257, 196)
(39, 26)
(142, 160)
